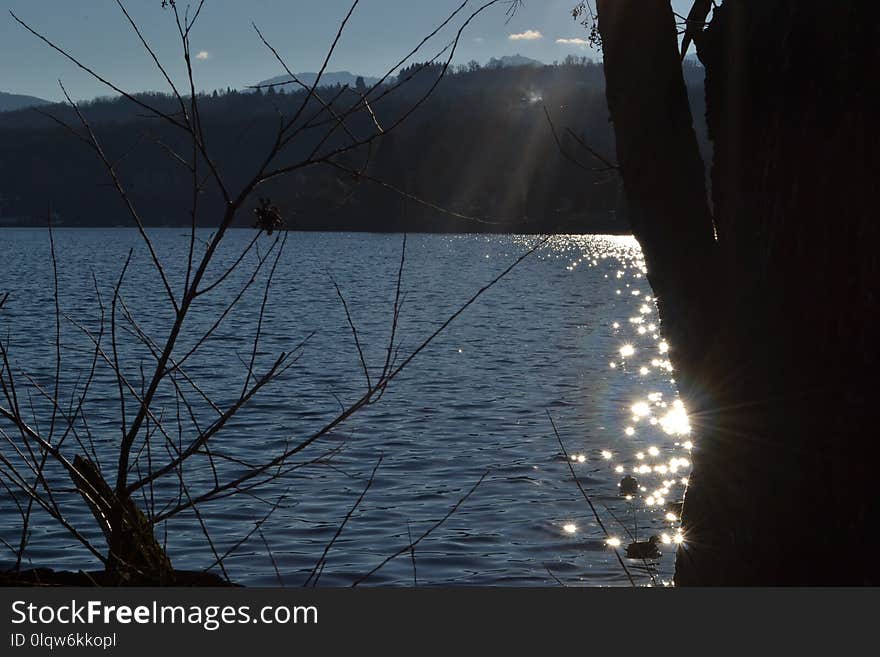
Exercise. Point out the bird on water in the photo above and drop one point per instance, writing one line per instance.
(644, 549)
(629, 485)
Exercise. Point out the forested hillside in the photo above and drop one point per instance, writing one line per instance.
(480, 146)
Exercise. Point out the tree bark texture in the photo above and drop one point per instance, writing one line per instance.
(771, 314)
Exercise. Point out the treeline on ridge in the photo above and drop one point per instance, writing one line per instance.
(480, 147)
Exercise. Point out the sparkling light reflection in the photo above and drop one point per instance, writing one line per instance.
(656, 442)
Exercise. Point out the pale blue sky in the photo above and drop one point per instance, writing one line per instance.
(380, 33)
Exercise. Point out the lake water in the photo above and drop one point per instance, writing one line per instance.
(573, 330)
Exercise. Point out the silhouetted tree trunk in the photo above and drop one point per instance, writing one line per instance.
(771, 323)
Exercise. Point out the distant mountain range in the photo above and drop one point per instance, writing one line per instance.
(12, 102)
(327, 80)
(345, 77)
(509, 61)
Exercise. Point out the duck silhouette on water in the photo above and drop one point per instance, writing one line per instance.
(644, 549)
(629, 486)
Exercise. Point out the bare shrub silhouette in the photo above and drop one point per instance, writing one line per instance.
(141, 483)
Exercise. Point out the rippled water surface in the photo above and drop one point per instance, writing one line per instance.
(572, 330)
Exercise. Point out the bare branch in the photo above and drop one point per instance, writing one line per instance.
(608, 166)
(315, 575)
(588, 500)
(425, 535)
(357, 342)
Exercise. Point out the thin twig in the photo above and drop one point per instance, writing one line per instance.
(425, 535)
(588, 500)
(314, 575)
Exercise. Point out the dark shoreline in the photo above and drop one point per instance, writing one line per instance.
(598, 231)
